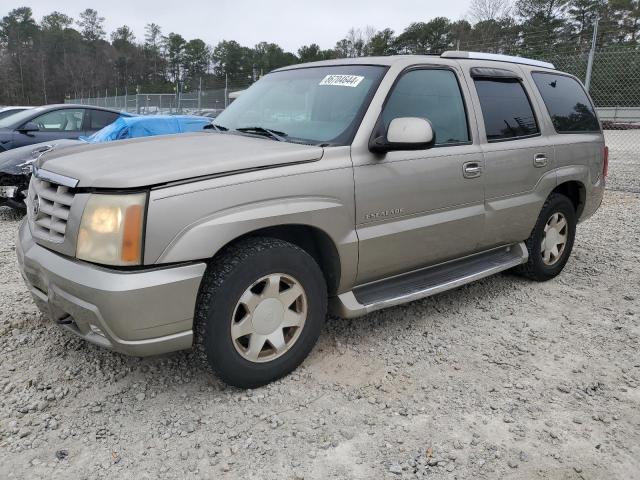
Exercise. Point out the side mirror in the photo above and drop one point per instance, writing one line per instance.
(29, 127)
(406, 133)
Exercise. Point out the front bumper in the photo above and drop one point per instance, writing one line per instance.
(137, 313)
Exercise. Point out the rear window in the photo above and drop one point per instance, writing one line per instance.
(568, 104)
(506, 109)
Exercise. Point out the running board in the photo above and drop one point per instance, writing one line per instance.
(427, 281)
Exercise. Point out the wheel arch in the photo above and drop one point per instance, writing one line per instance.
(574, 191)
(312, 240)
(322, 226)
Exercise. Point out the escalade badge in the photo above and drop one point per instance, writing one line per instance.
(392, 212)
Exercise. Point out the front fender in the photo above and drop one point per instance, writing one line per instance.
(204, 238)
(194, 222)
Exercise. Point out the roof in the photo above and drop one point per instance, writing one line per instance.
(385, 61)
(422, 59)
(79, 105)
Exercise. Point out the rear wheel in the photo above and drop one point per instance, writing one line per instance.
(260, 311)
(551, 240)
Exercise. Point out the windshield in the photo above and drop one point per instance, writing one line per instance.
(318, 105)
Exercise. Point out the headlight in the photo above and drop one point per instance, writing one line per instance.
(111, 229)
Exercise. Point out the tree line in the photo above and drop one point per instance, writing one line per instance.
(64, 57)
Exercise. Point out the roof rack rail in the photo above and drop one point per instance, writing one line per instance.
(497, 57)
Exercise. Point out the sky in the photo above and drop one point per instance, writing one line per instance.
(288, 23)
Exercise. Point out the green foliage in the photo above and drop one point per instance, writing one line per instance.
(92, 25)
(232, 60)
(423, 38)
(196, 58)
(383, 43)
(313, 53)
(56, 21)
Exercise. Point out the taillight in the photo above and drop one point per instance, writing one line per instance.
(605, 162)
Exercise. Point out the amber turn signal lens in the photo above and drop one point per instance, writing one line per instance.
(132, 234)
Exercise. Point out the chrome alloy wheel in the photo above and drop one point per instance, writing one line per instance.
(269, 318)
(556, 232)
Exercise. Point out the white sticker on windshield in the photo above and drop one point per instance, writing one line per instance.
(342, 80)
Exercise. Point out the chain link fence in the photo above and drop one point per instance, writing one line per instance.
(199, 102)
(614, 85)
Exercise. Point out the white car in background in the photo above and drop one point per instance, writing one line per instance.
(6, 111)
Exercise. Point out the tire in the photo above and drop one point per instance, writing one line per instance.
(252, 281)
(542, 265)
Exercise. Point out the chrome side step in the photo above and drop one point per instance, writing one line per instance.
(427, 281)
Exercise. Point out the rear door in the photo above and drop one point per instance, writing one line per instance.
(517, 154)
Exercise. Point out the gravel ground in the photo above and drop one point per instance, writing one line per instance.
(624, 155)
(503, 378)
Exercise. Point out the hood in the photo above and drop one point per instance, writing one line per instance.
(149, 161)
(10, 159)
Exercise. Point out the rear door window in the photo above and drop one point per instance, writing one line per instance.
(101, 118)
(568, 105)
(506, 109)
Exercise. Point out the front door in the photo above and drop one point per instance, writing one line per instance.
(419, 208)
(53, 125)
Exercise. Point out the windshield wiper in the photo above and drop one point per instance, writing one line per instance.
(275, 134)
(218, 128)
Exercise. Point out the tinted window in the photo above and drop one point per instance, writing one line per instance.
(100, 119)
(65, 120)
(506, 109)
(434, 95)
(568, 104)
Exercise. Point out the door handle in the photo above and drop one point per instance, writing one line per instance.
(471, 169)
(539, 160)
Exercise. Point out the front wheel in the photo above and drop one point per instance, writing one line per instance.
(260, 310)
(551, 240)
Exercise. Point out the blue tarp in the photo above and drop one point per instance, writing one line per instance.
(147, 126)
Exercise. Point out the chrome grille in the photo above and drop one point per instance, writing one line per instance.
(48, 206)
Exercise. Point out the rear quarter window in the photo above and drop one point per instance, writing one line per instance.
(102, 118)
(569, 106)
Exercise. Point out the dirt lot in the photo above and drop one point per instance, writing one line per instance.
(500, 379)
